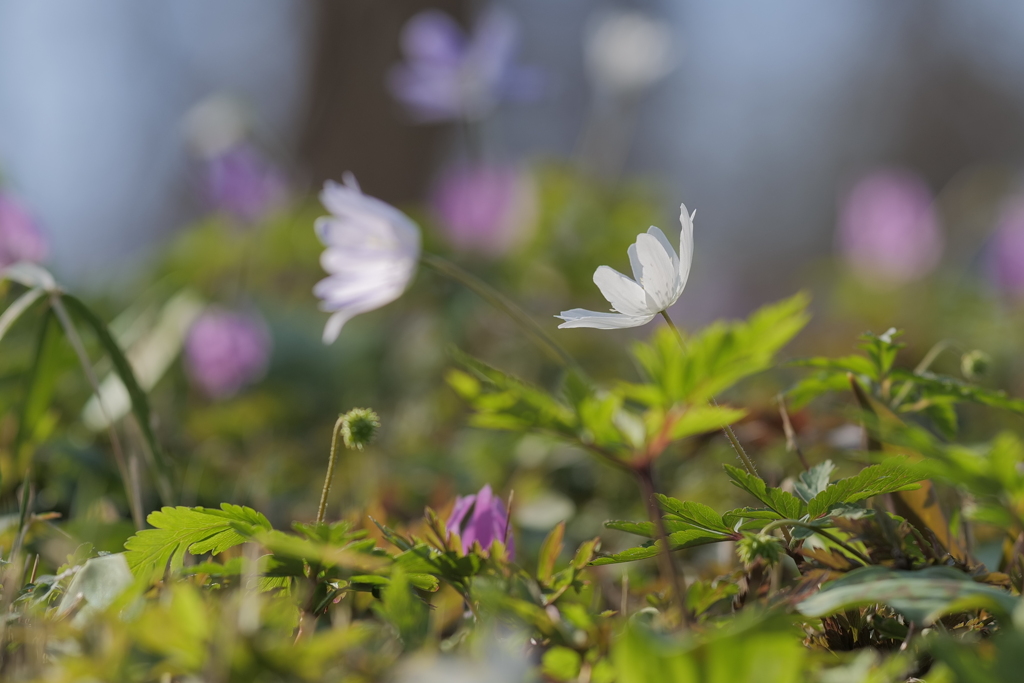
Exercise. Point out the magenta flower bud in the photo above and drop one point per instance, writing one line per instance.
(1006, 258)
(889, 232)
(225, 351)
(485, 209)
(481, 517)
(241, 183)
(20, 237)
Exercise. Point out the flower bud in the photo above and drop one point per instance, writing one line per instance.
(358, 428)
(975, 364)
(753, 547)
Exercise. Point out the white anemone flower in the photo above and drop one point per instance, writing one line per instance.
(372, 250)
(659, 278)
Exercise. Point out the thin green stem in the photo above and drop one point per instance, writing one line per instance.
(926, 362)
(502, 303)
(783, 523)
(748, 464)
(322, 510)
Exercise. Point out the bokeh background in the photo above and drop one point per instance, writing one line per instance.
(166, 158)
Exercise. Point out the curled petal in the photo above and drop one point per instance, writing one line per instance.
(579, 317)
(660, 273)
(625, 295)
(685, 244)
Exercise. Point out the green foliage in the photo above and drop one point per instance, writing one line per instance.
(921, 596)
(181, 530)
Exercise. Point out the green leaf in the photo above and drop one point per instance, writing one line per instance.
(695, 514)
(97, 584)
(561, 664)
(198, 530)
(785, 504)
(700, 419)
(403, 609)
(895, 474)
(679, 540)
(932, 387)
(549, 552)
(922, 596)
(813, 481)
(140, 404)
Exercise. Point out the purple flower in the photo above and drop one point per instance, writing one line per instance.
(240, 182)
(888, 230)
(1006, 260)
(226, 350)
(20, 237)
(481, 518)
(484, 209)
(448, 75)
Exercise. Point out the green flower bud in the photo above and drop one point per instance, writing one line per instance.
(752, 547)
(975, 364)
(358, 427)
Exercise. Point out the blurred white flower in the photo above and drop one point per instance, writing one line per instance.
(372, 250)
(627, 51)
(660, 277)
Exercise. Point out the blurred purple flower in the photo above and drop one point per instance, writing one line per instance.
(485, 209)
(448, 75)
(226, 350)
(243, 184)
(889, 232)
(481, 517)
(20, 237)
(1006, 260)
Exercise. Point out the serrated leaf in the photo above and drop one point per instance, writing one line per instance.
(896, 474)
(680, 540)
(696, 514)
(198, 530)
(813, 481)
(785, 504)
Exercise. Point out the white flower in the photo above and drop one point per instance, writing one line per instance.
(372, 250)
(628, 51)
(660, 275)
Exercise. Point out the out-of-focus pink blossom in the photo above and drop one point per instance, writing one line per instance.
(889, 232)
(20, 237)
(481, 517)
(226, 350)
(243, 184)
(485, 209)
(1006, 258)
(448, 75)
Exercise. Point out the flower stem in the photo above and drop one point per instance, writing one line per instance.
(748, 464)
(669, 571)
(502, 303)
(322, 510)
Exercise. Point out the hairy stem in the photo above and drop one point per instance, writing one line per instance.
(748, 464)
(322, 510)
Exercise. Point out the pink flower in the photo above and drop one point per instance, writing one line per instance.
(889, 232)
(20, 237)
(481, 518)
(1006, 258)
(225, 351)
(484, 209)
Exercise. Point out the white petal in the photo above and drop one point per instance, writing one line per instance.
(656, 232)
(579, 317)
(634, 263)
(333, 327)
(625, 295)
(661, 276)
(685, 244)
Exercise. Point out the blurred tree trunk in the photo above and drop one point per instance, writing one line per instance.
(352, 123)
